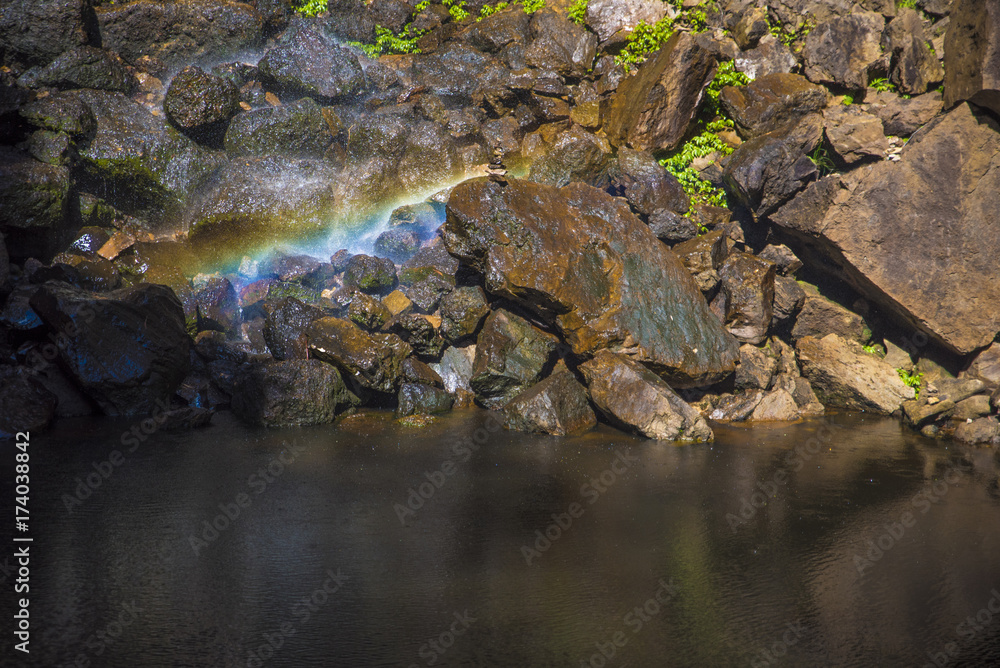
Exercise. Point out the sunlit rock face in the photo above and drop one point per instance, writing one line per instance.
(585, 263)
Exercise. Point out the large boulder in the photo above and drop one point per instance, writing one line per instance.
(511, 355)
(34, 202)
(494, 32)
(651, 111)
(179, 33)
(845, 376)
(558, 405)
(915, 66)
(422, 399)
(297, 129)
(200, 104)
(634, 398)
(619, 288)
(285, 327)
(575, 155)
(768, 103)
(841, 51)
(559, 45)
(972, 54)
(373, 361)
(746, 296)
(35, 32)
(293, 393)
(83, 67)
(923, 247)
(308, 63)
(610, 17)
(128, 349)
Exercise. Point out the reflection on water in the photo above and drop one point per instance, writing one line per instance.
(844, 542)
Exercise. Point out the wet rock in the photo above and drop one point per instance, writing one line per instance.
(768, 57)
(854, 134)
(622, 289)
(653, 109)
(420, 399)
(370, 274)
(610, 17)
(777, 406)
(53, 148)
(308, 63)
(843, 375)
(397, 303)
(415, 371)
(429, 157)
(511, 355)
(200, 104)
(355, 20)
(905, 238)
(186, 418)
(634, 398)
(672, 228)
(420, 332)
(455, 369)
(746, 296)
(285, 325)
(789, 298)
(971, 48)
(371, 360)
(60, 112)
(841, 51)
(557, 405)
(293, 393)
(821, 316)
(756, 369)
(981, 431)
(367, 312)
(771, 102)
(704, 253)
(179, 33)
(462, 312)
(397, 244)
(218, 305)
(736, 407)
(649, 188)
(915, 68)
(766, 171)
(296, 129)
(459, 74)
(425, 287)
(902, 117)
(34, 201)
(25, 404)
(784, 259)
(576, 155)
(495, 32)
(972, 408)
(35, 33)
(560, 45)
(82, 67)
(4, 263)
(127, 349)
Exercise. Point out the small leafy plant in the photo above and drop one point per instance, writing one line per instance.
(490, 10)
(791, 37)
(387, 42)
(679, 164)
(911, 379)
(822, 160)
(456, 9)
(532, 6)
(644, 40)
(311, 7)
(578, 11)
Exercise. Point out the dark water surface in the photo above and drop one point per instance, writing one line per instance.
(673, 551)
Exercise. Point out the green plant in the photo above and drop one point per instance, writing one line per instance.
(578, 11)
(790, 37)
(679, 164)
(311, 7)
(822, 160)
(421, 6)
(911, 379)
(644, 40)
(386, 42)
(490, 10)
(456, 9)
(906, 4)
(881, 85)
(874, 349)
(532, 6)
(720, 125)
(848, 100)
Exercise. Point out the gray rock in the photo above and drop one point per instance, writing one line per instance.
(557, 405)
(83, 67)
(308, 63)
(292, 393)
(756, 370)
(462, 312)
(981, 431)
(511, 356)
(972, 408)
(420, 399)
(777, 406)
(35, 33)
(296, 129)
(608, 17)
(768, 57)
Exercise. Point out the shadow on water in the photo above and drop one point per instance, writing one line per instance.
(845, 541)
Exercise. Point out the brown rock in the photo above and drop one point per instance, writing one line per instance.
(372, 360)
(511, 355)
(777, 406)
(772, 101)
(557, 405)
(820, 316)
(914, 67)
(972, 54)
(746, 296)
(841, 51)
(854, 134)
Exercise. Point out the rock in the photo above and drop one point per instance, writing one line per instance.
(653, 109)
(784, 259)
(985, 367)
(367, 312)
(293, 393)
(415, 371)
(905, 238)
(186, 418)
(455, 368)
(981, 431)
(622, 289)
(370, 274)
(756, 369)
(915, 68)
(672, 228)
(769, 57)
(425, 286)
(82, 67)
(750, 27)
(25, 404)
(459, 74)
(560, 45)
(34, 202)
(972, 408)
(462, 312)
(36, 33)
(772, 102)
(777, 406)
(308, 63)
(821, 316)
(60, 112)
(841, 51)
(902, 117)
(496, 31)
(649, 188)
(397, 244)
(854, 134)
(634, 398)
(179, 33)
(4, 263)
(127, 349)
(200, 104)
(285, 325)
(576, 155)
(789, 298)
(355, 20)
(766, 171)
(736, 408)
(971, 48)
(397, 303)
(419, 399)
(610, 17)
(845, 376)
(371, 360)
(557, 405)
(511, 355)
(420, 332)
(746, 296)
(918, 413)
(704, 253)
(296, 129)
(218, 306)
(137, 162)
(957, 390)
